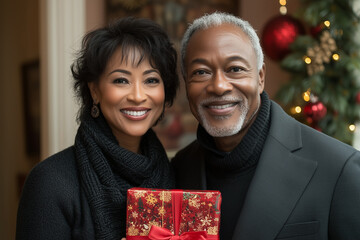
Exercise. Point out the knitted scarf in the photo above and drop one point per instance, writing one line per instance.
(248, 152)
(107, 171)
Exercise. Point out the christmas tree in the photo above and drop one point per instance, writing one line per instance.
(324, 64)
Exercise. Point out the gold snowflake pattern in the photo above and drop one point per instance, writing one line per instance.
(199, 228)
(213, 230)
(209, 195)
(135, 214)
(150, 199)
(130, 207)
(146, 228)
(140, 193)
(182, 227)
(145, 232)
(165, 196)
(194, 202)
(206, 221)
(162, 211)
(199, 214)
(132, 231)
(216, 219)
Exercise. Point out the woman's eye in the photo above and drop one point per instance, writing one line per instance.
(152, 81)
(121, 81)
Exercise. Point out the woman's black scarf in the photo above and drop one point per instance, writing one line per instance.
(107, 171)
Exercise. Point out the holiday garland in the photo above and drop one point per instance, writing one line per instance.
(324, 88)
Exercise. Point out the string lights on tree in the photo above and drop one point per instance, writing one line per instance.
(322, 59)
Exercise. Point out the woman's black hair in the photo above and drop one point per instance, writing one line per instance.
(128, 33)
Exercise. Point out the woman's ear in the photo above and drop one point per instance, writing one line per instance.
(93, 91)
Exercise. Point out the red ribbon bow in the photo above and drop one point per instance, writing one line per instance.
(159, 233)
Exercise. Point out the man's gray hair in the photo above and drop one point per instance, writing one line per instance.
(216, 19)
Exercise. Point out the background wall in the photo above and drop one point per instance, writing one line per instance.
(19, 43)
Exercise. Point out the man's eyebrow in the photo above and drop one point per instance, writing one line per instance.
(238, 58)
(198, 60)
(231, 58)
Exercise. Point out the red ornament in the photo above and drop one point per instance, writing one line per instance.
(315, 111)
(278, 34)
(357, 98)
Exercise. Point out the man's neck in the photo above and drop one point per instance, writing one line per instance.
(228, 143)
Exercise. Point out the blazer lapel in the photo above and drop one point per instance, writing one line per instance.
(279, 181)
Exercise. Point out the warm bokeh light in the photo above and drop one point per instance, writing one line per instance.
(283, 10)
(307, 60)
(295, 110)
(327, 23)
(282, 2)
(298, 109)
(336, 57)
(352, 127)
(306, 96)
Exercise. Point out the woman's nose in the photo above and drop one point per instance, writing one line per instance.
(137, 93)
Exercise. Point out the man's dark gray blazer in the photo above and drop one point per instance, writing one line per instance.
(306, 184)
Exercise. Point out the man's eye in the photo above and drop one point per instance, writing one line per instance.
(121, 81)
(152, 81)
(235, 69)
(199, 72)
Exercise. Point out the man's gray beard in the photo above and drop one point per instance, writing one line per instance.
(225, 131)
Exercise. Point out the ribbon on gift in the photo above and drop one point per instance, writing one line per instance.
(159, 233)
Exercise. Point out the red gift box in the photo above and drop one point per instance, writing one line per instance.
(172, 214)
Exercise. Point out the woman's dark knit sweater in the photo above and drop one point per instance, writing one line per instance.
(53, 186)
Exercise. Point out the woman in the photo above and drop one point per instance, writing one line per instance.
(125, 75)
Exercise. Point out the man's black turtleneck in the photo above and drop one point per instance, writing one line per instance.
(232, 172)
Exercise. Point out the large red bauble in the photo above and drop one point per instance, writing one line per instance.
(278, 34)
(316, 111)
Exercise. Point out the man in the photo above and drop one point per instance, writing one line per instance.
(279, 179)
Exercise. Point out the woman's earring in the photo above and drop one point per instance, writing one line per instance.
(95, 111)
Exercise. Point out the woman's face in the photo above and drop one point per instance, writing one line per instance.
(131, 95)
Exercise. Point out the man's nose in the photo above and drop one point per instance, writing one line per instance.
(219, 84)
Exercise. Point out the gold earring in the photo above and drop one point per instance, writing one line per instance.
(95, 111)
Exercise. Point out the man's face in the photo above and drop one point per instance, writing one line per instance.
(222, 81)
